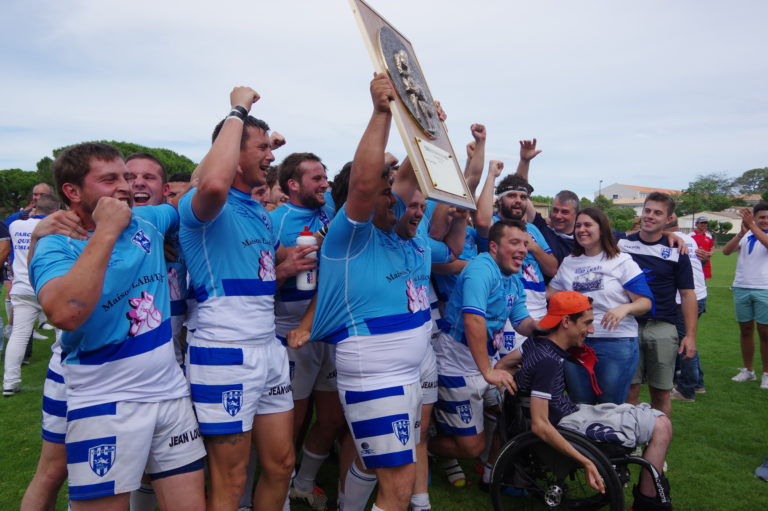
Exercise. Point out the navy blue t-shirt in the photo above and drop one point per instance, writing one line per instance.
(666, 270)
(541, 375)
(561, 245)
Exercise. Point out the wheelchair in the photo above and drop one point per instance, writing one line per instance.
(529, 474)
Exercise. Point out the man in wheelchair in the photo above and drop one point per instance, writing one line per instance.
(541, 376)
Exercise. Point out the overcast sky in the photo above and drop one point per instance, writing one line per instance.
(649, 93)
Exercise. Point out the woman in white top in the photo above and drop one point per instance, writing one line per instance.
(619, 292)
(750, 288)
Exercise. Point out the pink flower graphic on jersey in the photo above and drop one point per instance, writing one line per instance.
(529, 273)
(173, 284)
(267, 266)
(498, 339)
(417, 297)
(145, 316)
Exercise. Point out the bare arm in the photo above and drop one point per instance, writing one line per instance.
(544, 429)
(5, 250)
(475, 157)
(216, 171)
(691, 319)
(441, 221)
(733, 243)
(452, 268)
(458, 232)
(547, 262)
(368, 164)
(62, 222)
(638, 306)
(528, 152)
(475, 332)
(69, 300)
(484, 214)
(526, 327)
(299, 336)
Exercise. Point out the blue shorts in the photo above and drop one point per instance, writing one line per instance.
(751, 305)
(385, 424)
(459, 408)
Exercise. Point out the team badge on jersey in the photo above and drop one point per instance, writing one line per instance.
(666, 252)
(418, 296)
(402, 430)
(142, 240)
(145, 316)
(323, 218)
(465, 413)
(101, 458)
(232, 401)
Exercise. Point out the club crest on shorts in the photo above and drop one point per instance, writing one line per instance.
(101, 458)
(232, 401)
(142, 240)
(402, 430)
(465, 413)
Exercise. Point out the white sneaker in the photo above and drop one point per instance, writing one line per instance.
(46, 326)
(764, 383)
(744, 375)
(38, 336)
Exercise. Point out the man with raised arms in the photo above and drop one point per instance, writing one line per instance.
(237, 369)
(128, 407)
(379, 324)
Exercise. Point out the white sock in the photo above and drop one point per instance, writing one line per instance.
(490, 428)
(454, 472)
(246, 499)
(143, 499)
(358, 487)
(420, 502)
(487, 473)
(310, 466)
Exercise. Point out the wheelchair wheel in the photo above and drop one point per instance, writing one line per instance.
(529, 474)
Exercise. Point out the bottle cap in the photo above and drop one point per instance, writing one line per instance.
(306, 232)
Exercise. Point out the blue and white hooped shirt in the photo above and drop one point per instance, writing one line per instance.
(123, 351)
(231, 264)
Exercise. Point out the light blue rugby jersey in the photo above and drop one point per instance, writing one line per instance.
(289, 221)
(129, 332)
(484, 290)
(473, 244)
(231, 264)
(373, 282)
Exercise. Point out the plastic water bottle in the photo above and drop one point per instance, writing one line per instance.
(307, 280)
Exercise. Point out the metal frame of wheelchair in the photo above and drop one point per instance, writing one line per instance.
(540, 477)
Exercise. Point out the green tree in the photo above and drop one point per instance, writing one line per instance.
(709, 192)
(752, 181)
(45, 170)
(603, 202)
(172, 161)
(15, 187)
(620, 217)
(585, 202)
(716, 227)
(541, 198)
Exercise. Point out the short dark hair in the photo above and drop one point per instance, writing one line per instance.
(46, 204)
(290, 168)
(249, 121)
(568, 196)
(607, 241)
(664, 198)
(271, 176)
(152, 158)
(497, 229)
(760, 206)
(74, 163)
(180, 177)
(340, 187)
(513, 181)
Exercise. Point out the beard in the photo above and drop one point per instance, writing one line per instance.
(508, 213)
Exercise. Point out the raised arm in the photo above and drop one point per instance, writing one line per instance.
(475, 157)
(69, 300)
(528, 152)
(484, 215)
(458, 231)
(216, 171)
(748, 218)
(733, 243)
(368, 164)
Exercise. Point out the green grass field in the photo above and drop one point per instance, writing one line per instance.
(719, 439)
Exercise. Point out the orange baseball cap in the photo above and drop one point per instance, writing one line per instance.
(564, 303)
